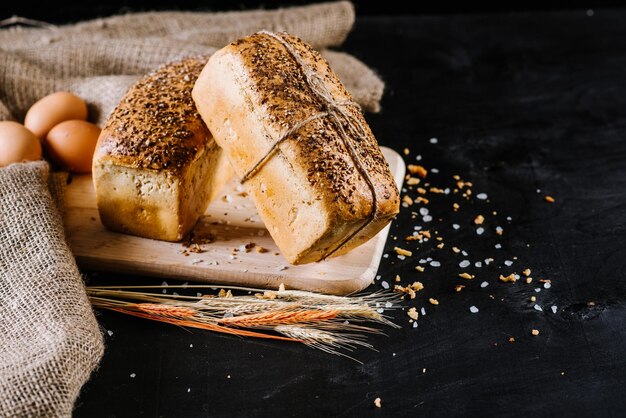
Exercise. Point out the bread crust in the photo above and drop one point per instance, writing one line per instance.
(254, 91)
(156, 164)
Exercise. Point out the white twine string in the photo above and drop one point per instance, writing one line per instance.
(335, 110)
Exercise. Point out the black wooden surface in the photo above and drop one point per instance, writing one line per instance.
(518, 102)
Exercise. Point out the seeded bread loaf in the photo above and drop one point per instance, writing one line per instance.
(326, 187)
(156, 166)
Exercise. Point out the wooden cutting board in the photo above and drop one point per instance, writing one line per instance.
(234, 222)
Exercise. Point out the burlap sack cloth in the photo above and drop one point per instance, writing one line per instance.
(49, 338)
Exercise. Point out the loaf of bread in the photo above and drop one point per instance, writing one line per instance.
(299, 143)
(156, 166)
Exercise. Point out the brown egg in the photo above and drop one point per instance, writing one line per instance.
(17, 144)
(52, 110)
(71, 144)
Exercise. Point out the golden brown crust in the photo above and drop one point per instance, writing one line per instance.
(283, 91)
(156, 125)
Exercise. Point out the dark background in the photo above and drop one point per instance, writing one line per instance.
(520, 98)
(73, 10)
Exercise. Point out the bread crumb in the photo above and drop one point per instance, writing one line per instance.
(479, 220)
(511, 339)
(423, 200)
(456, 250)
(421, 190)
(402, 251)
(406, 199)
(420, 269)
(433, 301)
(440, 245)
(526, 272)
(459, 287)
(412, 313)
(417, 169)
(436, 190)
(397, 277)
(412, 181)
(455, 206)
(260, 249)
(533, 298)
(465, 275)
(535, 332)
(508, 279)
(549, 199)
(529, 280)
(417, 286)
(407, 151)
(377, 403)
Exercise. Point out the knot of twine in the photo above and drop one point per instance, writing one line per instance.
(345, 123)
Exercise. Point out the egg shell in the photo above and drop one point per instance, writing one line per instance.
(52, 110)
(17, 144)
(71, 145)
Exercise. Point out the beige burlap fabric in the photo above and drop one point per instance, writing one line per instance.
(49, 338)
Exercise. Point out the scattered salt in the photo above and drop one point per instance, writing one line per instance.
(481, 196)
(464, 263)
(484, 284)
(508, 218)
(433, 140)
(473, 309)
(415, 324)
(401, 257)
(455, 226)
(480, 230)
(132, 375)
(110, 332)
(434, 170)
(380, 310)
(478, 264)
(553, 309)
(388, 305)
(499, 230)
(537, 289)
(164, 284)
(423, 211)
(385, 255)
(498, 246)
(423, 311)
(435, 264)
(378, 277)
(188, 390)
(464, 253)
(418, 157)
(508, 263)
(427, 218)
(538, 308)
(190, 345)
(547, 285)
(384, 284)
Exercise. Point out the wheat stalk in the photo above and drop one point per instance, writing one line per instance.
(325, 322)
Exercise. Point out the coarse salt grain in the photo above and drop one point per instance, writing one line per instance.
(190, 345)
(378, 277)
(414, 324)
(537, 289)
(423, 211)
(479, 231)
(110, 332)
(427, 218)
(384, 284)
(464, 263)
(547, 285)
(401, 257)
(484, 284)
(423, 311)
(478, 264)
(464, 253)
(132, 375)
(434, 170)
(437, 264)
(553, 309)
(433, 140)
(508, 263)
(538, 308)
(455, 226)
(498, 246)
(188, 390)
(481, 196)
(473, 309)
